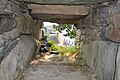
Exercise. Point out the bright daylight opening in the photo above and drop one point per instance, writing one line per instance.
(58, 40)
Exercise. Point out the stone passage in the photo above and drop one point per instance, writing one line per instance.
(54, 67)
(97, 24)
(53, 72)
(100, 34)
(17, 43)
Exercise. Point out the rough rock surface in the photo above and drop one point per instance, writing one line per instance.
(2, 40)
(101, 57)
(117, 76)
(11, 35)
(53, 72)
(14, 63)
(16, 49)
(36, 30)
(55, 67)
(114, 18)
(6, 23)
(24, 23)
(102, 23)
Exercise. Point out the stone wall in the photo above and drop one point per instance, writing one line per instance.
(102, 40)
(17, 47)
(93, 27)
(101, 57)
(100, 32)
(15, 62)
(113, 30)
(36, 30)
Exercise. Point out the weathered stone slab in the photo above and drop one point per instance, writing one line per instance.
(64, 2)
(2, 40)
(109, 54)
(113, 32)
(16, 7)
(7, 48)
(6, 23)
(104, 16)
(36, 30)
(11, 35)
(59, 13)
(24, 23)
(114, 28)
(2, 6)
(12, 7)
(101, 57)
(18, 58)
(117, 75)
(59, 9)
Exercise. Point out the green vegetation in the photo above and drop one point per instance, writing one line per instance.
(53, 44)
(69, 29)
(64, 50)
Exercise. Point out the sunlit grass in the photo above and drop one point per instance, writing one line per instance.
(63, 50)
(70, 52)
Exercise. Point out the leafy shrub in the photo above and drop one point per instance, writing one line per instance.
(53, 47)
(63, 50)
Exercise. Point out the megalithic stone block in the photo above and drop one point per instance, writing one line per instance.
(64, 2)
(59, 13)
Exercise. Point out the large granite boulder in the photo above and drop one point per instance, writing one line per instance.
(14, 63)
(11, 35)
(24, 23)
(101, 57)
(113, 31)
(117, 75)
(36, 30)
(16, 49)
(6, 24)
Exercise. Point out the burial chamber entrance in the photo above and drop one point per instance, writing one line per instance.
(96, 22)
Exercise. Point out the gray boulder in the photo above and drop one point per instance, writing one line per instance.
(6, 24)
(101, 57)
(13, 64)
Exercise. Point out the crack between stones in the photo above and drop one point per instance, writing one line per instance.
(114, 76)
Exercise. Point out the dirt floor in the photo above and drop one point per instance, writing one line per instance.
(55, 67)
